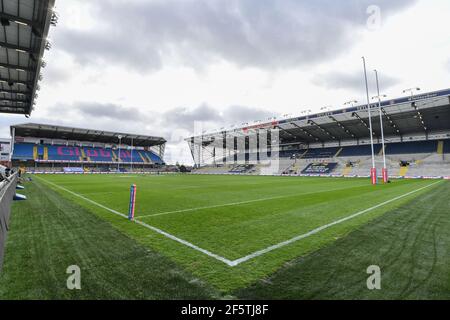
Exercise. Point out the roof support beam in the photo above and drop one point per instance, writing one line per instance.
(322, 129)
(307, 132)
(14, 92)
(283, 130)
(13, 100)
(419, 116)
(15, 67)
(18, 48)
(13, 109)
(391, 122)
(36, 27)
(340, 125)
(356, 115)
(27, 83)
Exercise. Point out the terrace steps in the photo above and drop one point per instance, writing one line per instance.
(303, 154)
(83, 155)
(114, 156)
(440, 148)
(143, 157)
(148, 158)
(45, 153)
(347, 170)
(403, 171)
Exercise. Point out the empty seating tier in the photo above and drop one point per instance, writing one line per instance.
(27, 151)
(23, 151)
(412, 147)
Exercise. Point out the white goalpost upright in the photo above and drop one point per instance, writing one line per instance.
(385, 171)
(373, 171)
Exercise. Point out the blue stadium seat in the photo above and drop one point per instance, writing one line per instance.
(411, 147)
(23, 151)
(63, 153)
(321, 153)
(359, 151)
(447, 146)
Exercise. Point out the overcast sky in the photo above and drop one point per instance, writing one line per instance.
(157, 66)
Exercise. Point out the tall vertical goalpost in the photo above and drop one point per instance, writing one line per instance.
(385, 171)
(373, 170)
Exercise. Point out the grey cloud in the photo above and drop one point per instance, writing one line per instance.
(353, 81)
(267, 34)
(116, 117)
(94, 115)
(6, 120)
(56, 75)
(119, 118)
(237, 114)
(185, 118)
(110, 111)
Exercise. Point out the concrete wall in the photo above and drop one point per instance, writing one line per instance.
(7, 191)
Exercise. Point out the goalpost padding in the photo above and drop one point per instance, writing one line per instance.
(385, 175)
(373, 175)
(132, 202)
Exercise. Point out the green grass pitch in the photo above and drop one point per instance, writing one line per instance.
(229, 232)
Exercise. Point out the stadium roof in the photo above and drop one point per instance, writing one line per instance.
(25, 25)
(76, 134)
(425, 113)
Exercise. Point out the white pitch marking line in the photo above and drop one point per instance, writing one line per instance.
(310, 233)
(168, 235)
(241, 202)
(256, 253)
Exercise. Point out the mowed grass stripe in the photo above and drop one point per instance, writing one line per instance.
(48, 233)
(233, 204)
(321, 228)
(152, 228)
(236, 233)
(409, 244)
(230, 233)
(158, 195)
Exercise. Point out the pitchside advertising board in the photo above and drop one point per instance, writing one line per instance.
(319, 168)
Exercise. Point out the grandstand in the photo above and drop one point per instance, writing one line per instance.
(417, 137)
(47, 148)
(26, 24)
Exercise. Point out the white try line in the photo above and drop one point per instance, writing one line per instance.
(317, 230)
(167, 235)
(233, 263)
(232, 204)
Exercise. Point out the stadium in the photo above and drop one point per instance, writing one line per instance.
(414, 129)
(309, 207)
(51, 149)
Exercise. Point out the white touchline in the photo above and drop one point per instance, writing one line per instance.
(168, 235)
(233, 263)
(310, 233)
(239, 203)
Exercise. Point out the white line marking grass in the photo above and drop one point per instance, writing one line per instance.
(167, 235)
(317, 230)
(231, 204)
(233, 263)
